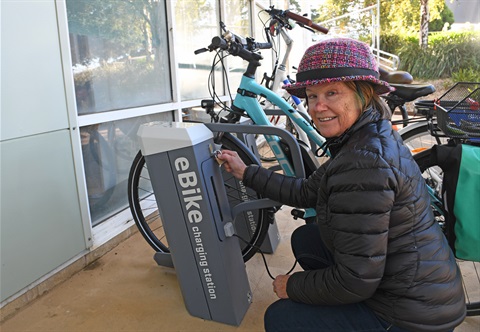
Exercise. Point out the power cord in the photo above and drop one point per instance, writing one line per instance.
(263, 256)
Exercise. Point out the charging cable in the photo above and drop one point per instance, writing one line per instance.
(263, 256)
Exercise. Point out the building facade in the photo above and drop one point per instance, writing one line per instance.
(78, 77)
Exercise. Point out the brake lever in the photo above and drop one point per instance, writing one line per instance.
(306, 27)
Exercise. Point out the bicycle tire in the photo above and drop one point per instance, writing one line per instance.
(265, 152)
(432, 173)
(253, 223)
(419, 138)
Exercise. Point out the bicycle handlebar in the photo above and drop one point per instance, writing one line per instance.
(246, 48)
(303, 20)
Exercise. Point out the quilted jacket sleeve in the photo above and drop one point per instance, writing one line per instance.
(301, 193)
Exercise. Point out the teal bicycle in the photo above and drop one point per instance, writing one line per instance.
(294, 159)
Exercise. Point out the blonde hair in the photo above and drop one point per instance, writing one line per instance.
(367, 97)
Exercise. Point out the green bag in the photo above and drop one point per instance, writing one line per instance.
(461, 196)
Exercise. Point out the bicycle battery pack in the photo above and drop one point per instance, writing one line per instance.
(195, 212)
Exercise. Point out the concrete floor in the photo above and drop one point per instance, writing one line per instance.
(125, 290)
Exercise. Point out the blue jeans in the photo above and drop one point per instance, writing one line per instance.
(286, 315)
(289, 316)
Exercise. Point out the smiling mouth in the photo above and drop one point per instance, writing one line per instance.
(325, 119)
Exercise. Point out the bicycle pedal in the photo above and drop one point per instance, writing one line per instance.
(296, 213)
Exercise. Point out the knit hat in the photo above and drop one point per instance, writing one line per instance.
(337, 59)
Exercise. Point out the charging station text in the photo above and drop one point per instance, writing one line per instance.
(192, 196)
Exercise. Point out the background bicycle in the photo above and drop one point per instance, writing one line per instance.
(457, 123)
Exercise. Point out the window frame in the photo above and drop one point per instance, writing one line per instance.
(99, 234)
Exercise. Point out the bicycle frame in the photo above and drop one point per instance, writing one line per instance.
(281, 78)
(247, 101)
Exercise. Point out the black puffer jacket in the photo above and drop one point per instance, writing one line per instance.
(374, 215)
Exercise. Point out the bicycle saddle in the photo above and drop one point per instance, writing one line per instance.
(410, 92)
(398, 77)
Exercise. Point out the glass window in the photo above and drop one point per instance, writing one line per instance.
(108, 151)
(238, 21)
(119, 54)
(197, 22)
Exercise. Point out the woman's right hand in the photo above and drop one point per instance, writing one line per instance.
(232, 163)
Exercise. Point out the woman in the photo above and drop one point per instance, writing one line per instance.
(375, 260)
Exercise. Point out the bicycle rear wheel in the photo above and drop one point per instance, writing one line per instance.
(470, 270)
(418, 138)
(251, 225)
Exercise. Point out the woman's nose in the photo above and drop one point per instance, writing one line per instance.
(318, 105)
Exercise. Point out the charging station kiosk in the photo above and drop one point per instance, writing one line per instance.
(197, 218)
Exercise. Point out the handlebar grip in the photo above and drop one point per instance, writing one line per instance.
(305, 21)
(264, 45)
(201, 50)
(218, 42)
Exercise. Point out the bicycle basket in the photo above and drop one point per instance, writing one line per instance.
(458, 111)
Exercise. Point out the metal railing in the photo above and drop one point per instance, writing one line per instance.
(387, 60)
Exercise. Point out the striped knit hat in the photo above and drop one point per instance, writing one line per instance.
(337, 59)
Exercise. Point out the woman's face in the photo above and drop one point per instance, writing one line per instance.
(334, 107)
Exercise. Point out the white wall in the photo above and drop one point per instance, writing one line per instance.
(40, 222)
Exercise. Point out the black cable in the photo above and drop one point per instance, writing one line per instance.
(218, 59)
(272, 40)
(227, 81)
(211, 80)
(263, 257)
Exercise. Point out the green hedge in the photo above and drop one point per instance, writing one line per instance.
(449, 55)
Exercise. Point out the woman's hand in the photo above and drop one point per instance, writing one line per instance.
(232, 163)
(280, 286)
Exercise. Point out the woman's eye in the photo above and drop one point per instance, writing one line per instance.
(331, 93)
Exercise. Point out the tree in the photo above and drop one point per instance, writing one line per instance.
(111, 21)
(395, 15)
(295, 6)
(446, 19)
(122, 25)
(424, 19)
(154, 25)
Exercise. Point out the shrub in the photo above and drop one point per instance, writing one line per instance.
(466, 75)
(448, 54)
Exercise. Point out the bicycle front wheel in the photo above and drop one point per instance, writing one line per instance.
(470, 270)
(251, 225)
